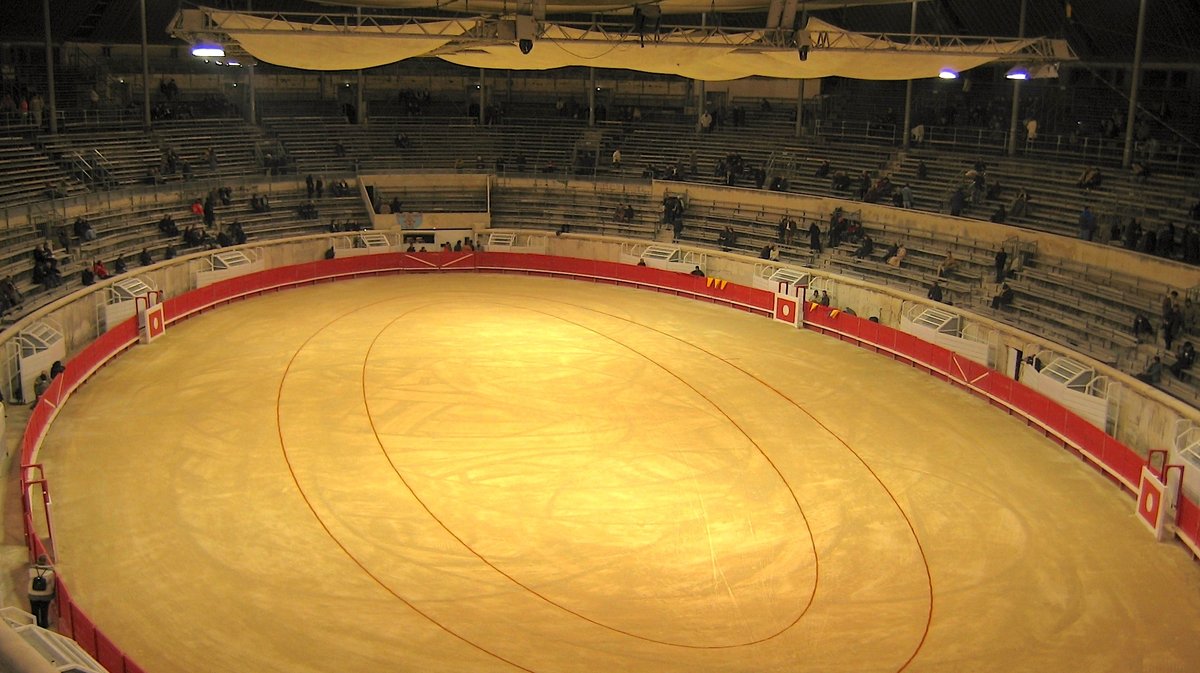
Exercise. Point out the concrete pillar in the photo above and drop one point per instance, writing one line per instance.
(1014, 118)
(908, 88)
(1134, 84)
(51, 99)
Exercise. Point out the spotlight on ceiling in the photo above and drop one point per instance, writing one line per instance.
(947, 73)
(1017, 72)
(207, 49)
(526, 30)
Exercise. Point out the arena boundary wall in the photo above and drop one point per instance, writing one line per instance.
(1116, 460)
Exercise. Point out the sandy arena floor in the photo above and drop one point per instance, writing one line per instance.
(478, 473)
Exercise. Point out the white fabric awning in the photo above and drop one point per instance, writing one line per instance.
(695, 54)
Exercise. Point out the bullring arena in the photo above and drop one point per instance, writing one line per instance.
(485, 472)
(726, 337)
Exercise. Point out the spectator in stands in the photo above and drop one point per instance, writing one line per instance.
(224, 240)
(197, 208)
(167, 226)
(1001, 263)
(1153, 372)
(169, 253)
(1133, 233)
(837, 227)
(12, 296)
(935, 291)
(1004, 299)
(1166, 240)
(865, 248)
(1141, 325)
(891, 250)
(238, 233)
(1031, 130)
(918, 134)
(616, 159)
(1190, 314)
(309, 185)
(897, 258)
(1141, 171)
(814, 237)
(210, 157)
(84, 230)
(947, 266)
(320, 187)
(906, 196)
(186, 169)
(37, 105)
(1091, 178)
(210, 211)
(39, 387)
(411, 248)
(853, 231)
(697, 272)
(120, 266)
(1172, 324)
(999, 215)
(840, 182)
(1020, 204)
(1087, 224)
(144, 257)
(864, 185)
(823, 300)
(226, 196)
(42, 253)
(1170, 301)
(1184, 359)
(922, 169)
(727, 238)
(958, 201)
(823, 169)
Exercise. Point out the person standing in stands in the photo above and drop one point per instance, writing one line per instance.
(814, 238)
(935, 291)
(616, 159)
(1001, 263)
(1087, 224)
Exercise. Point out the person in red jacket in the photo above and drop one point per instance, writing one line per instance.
(99, 270)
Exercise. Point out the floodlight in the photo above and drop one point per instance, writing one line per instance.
(207, 49)
(1017, 72)
(947, 73)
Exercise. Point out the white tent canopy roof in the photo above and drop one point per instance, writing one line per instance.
(599, 6)
(697, 53)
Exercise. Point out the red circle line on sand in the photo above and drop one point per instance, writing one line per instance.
(484, 650)
(912, 528)
(547, 599)
(304, 496)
